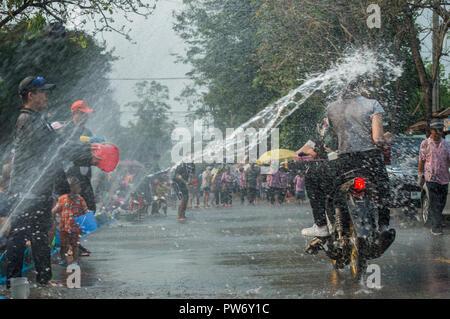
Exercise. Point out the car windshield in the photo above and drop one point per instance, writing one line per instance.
(405, 152)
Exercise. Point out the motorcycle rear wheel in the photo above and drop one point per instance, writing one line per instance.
(358, 263)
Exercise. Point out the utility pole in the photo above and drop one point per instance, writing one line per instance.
(435, 105)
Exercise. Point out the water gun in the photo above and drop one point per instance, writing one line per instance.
(88, 139)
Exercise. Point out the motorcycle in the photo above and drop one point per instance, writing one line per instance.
(158, 203)
(351, 219)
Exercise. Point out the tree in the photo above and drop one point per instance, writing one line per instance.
(62, 11)
(300, 37)
(151, 132)
(410, 10)
(79, 71)
(222, 43)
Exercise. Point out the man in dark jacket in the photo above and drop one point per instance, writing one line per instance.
(35, 167)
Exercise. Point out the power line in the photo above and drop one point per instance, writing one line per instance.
(143, 79)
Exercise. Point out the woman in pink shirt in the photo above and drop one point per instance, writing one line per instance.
(299, 182)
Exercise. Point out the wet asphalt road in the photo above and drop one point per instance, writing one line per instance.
(246, 252)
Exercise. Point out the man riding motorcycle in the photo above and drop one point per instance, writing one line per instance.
(357, 122)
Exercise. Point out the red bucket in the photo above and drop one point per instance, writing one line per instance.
(108, 156)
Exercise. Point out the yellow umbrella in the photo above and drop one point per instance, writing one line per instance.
(276, 155)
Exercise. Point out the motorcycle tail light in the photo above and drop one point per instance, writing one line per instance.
(360, 184)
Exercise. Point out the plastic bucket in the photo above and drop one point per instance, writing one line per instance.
(87, 223)
(20, 288)
(108, 156)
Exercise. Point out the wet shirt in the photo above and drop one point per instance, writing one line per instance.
(206, 179)
(275, 180)
(283, 180)
(218, 181)
(352, 121)
(184, 170)
(227, 179)
(70, 207)
(32, 144)
(437, 158)
(242, 180)
(251, 176)
(299, 182)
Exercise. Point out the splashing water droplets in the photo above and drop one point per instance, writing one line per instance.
(356, 64)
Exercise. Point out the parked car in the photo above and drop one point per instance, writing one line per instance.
(402, 171)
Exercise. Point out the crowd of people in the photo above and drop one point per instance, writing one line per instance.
(218, 186)
(198, 186)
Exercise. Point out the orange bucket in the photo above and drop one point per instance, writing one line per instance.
(108, 156)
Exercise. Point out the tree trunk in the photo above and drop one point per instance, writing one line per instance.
(425, 81)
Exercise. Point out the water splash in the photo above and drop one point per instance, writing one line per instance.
(356, 63)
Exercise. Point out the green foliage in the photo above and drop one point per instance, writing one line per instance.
(79, 73)
(301, 126)
(37, 13)
(414, 111)
(222, 43)
(300, 37)
(151, 132)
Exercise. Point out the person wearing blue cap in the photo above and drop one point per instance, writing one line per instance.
(30, 186)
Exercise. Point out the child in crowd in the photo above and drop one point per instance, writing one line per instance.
(70, 206)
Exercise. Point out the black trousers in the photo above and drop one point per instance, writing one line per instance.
(228, 198)
(251, 193)
(438, 199)
(217, 196)
(282, 195)
(274, 191)
(315, 181)
(323, 176)
(32, 224)
(243, 193)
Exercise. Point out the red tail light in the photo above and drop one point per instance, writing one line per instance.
(360, 184)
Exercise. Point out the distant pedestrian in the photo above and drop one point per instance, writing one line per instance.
(283, 185)
(251, 178)
(275, 186)
(242, 188)
(227, 186)
(299, 182)
(206, 185)
(217, 184)
(434, 160)
(182, 174)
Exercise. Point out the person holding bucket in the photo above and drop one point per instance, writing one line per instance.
(81, 169)
(70, 206)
